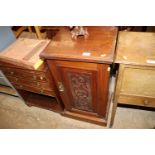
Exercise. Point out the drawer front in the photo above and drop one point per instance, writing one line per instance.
(138, 81)
(30, 80)
(28, 74)
(34, 84)
(35, 90)
(16, 72)
(12, 79)
(137, 100)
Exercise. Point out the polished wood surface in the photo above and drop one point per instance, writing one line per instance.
(81, 71)
(30, 80)
(85, 87)
(98, 47)
(136, 48)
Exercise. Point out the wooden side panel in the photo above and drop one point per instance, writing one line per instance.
(103, 89)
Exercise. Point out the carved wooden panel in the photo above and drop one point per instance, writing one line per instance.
(80, 85)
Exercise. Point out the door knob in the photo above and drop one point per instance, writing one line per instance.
(60, 87)
(108, 69)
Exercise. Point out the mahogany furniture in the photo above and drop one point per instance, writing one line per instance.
(135, 53)
(81, 71)
(22, 66)
(33, 86)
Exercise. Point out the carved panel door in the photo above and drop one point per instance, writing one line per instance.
(83, 87)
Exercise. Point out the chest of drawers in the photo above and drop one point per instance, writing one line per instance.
(22, 66)
(30, 80)
(34, 86)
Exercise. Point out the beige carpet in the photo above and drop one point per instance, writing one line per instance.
(15, 114)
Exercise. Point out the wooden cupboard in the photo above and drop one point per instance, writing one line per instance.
(81, 71)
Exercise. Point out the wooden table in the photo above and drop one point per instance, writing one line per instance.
(81, 71)
(135, 54)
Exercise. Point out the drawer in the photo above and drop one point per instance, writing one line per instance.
(136, 100)
(12, 79)
(39, 77)
(45, 85)
(28, 74)
(12, 71)
(34, 84)
(35, 90)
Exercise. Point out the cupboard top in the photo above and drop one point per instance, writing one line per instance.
(137, 48)
(98, 47)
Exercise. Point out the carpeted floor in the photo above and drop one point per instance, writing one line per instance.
(15, 114)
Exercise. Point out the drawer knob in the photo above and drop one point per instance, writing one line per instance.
(12, 73)
(108, 69)
(146, 102)
(20, 86)
(41, 78)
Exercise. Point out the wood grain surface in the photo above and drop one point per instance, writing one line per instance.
(98, 47)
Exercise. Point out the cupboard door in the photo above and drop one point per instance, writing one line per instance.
(83, 87)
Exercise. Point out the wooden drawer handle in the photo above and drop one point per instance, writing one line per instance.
(41, 78)
(146, 102)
